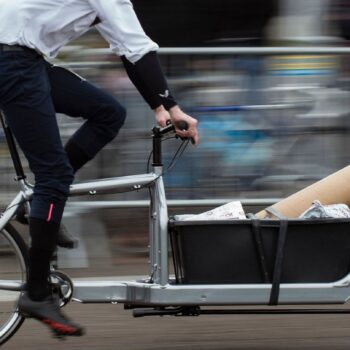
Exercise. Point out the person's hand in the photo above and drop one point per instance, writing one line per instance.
(177, 116)
(162, 116)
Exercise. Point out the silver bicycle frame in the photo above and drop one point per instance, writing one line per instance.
(158, 289)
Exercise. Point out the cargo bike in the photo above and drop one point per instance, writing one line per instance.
(221, 267)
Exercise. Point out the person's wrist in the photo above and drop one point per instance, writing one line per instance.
(159, 109)
(175, 110)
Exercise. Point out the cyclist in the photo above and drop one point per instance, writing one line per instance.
(32, 90)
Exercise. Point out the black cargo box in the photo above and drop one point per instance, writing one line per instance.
(245, 251)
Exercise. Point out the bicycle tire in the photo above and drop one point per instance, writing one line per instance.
(13, 266)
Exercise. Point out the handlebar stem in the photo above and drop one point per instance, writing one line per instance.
(157, 147)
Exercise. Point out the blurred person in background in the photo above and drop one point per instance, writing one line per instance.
(32, 91)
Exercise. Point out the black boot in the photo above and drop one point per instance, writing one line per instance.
(43, 244)
(38, 302)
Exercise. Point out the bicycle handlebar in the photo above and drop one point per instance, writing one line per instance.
(182, 125)
(158, 133)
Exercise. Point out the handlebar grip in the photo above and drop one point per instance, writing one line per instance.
(182, 125)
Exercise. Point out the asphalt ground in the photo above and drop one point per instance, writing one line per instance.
(112, 327)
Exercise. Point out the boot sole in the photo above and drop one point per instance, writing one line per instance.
(59, 330)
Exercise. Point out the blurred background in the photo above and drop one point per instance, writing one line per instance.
(271, 121)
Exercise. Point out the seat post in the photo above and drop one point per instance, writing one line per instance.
(13, 148)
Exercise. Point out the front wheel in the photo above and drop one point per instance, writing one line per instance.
(13, 269)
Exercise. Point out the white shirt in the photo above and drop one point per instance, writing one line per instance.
(47, 25)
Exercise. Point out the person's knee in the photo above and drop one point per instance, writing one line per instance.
(109, 118)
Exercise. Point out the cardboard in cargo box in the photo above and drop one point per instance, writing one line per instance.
(333, 189)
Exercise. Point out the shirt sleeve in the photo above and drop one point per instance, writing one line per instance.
(147, 76)
(121, 28)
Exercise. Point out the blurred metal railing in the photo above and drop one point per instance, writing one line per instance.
(176, 51)
(231, 50)
(256, 50)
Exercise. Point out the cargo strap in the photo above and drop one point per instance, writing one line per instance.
(277, 271)
(259, 247)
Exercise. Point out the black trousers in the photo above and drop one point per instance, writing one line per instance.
(31, 92)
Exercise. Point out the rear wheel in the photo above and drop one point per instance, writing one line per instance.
(13, 274)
